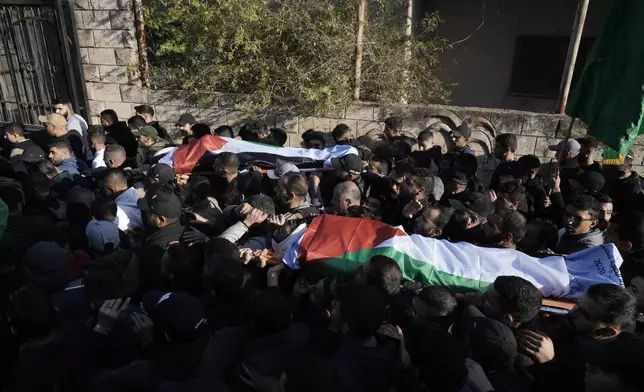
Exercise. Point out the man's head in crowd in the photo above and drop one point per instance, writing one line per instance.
(59, 151)
(55, 123)
(626, 231)
(461, 135)
(505, 228)
(200, 130)
(624, 171)
(529, 166)
(185, 123)
(379, 166)
(505, 145)
(15, 132)
(145, 111)
(383, 273)
(109, 118)
(147, 135)
(457, 183)
(418, 186)
(432, 222)
(114, 156)
(426, 140)
(253, 131)
(103, 237)
(345, 195)
(97, 137)
(224, 131)
(163, 308)
(114, 182)
(104, 208)
(511, 300)
(292, 189)
(349, 167)
(63, 106)
(314, 139)
(136, 122)
(587, 152)
(582, 214)
(226, 166)
(160, 210)
(603, 312)
(566, 151)
(510, 196)
(341, 133)
(589, 181)
(605, 209)
(393, 126)
(540, 236)
(180, 265)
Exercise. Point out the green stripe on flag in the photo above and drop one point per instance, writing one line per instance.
(412, 269)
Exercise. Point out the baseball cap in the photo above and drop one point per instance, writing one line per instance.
(146, 130)
(493, 344)
(101, 233)
(54, 119)
(590, 180)
(459, 178)
(351, 164)
(161, 173)
(186, 118)
(570, 145)
(179, 315)
(163, 204)
(462, 131)
(278, 172)
(478, 203)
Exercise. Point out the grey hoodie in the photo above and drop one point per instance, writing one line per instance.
(571, 243)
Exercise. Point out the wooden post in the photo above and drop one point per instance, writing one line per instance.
(141, 43)
(571, 57)
(408, 32)
(359, 45)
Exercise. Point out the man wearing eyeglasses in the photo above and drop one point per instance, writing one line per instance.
(581, 225)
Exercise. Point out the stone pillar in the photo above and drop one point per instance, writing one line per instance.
(107, 37)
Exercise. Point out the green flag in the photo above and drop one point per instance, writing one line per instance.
(609, 95)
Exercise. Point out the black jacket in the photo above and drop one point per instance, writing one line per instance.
(121, 134)
(625, 192)
(150, 255)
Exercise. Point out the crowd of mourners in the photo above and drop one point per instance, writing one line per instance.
(117, 274)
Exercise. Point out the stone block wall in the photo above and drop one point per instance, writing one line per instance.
(107, 38)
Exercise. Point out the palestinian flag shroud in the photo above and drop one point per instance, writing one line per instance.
(200, 153)
(334, 245)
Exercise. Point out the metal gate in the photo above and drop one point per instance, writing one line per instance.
(37, 63)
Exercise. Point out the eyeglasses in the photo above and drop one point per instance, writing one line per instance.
(576, 220)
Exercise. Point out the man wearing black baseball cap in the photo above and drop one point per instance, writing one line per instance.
(161, 212)
(461, 135)
(185, 123)
(348, 168)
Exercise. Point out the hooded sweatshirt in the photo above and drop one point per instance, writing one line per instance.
(571, 243)
(70, 166)
(128, 215)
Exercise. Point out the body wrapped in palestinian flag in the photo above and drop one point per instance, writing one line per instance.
(199, 154)
(335, 245)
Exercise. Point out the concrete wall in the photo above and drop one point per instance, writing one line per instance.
(481, 66)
